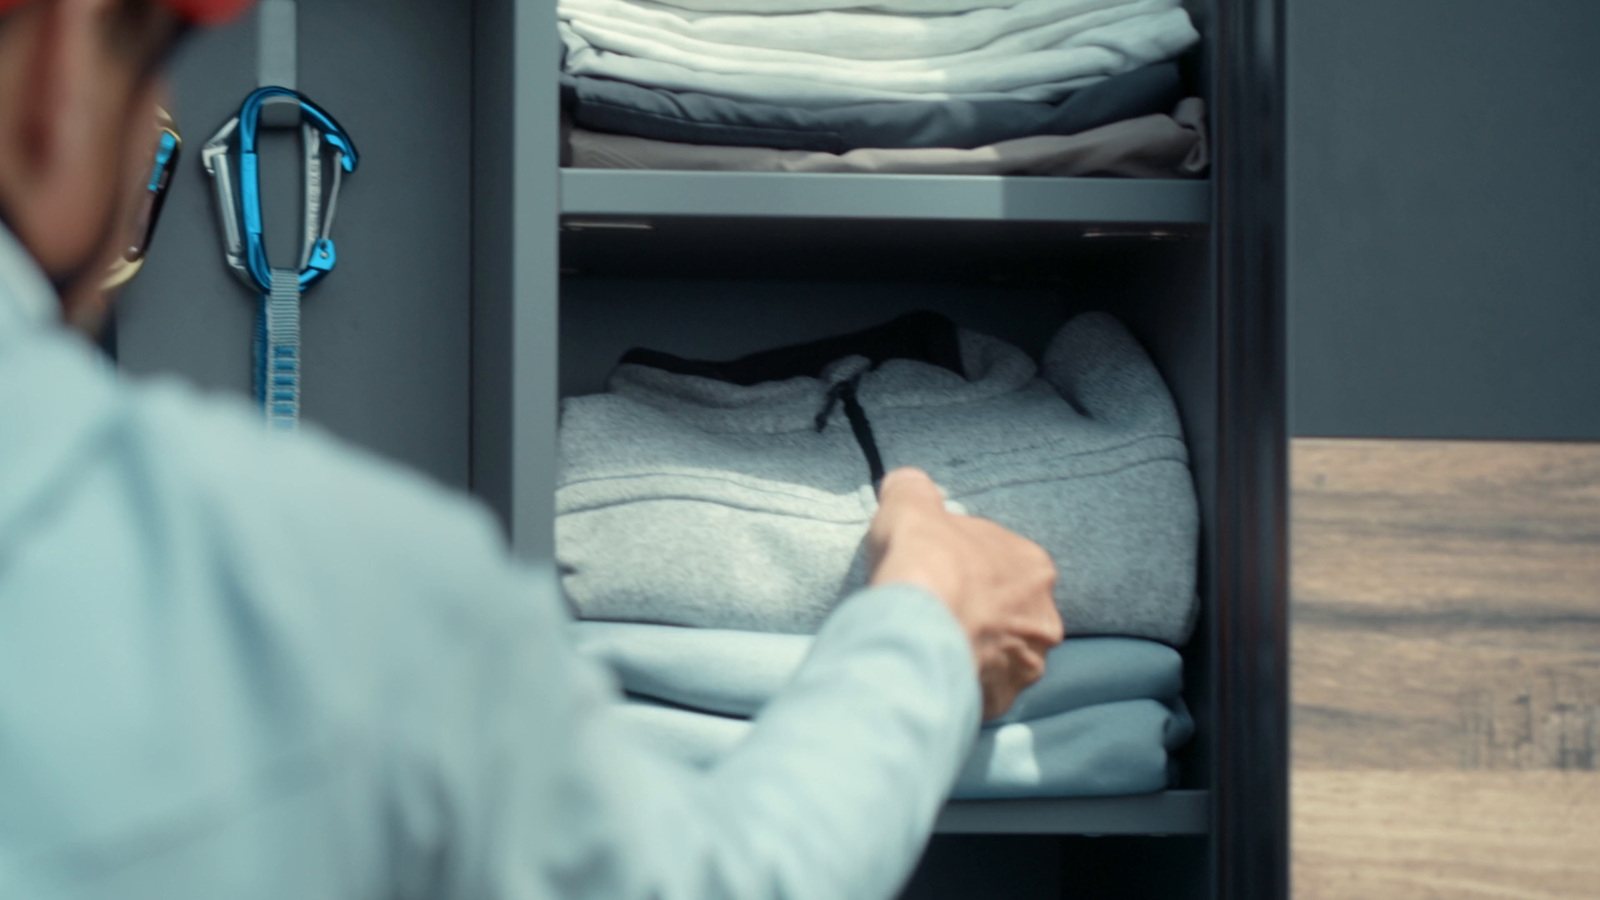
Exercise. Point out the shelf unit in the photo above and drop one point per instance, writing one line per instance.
(761, 226)
(570, 264)
(1164, 814)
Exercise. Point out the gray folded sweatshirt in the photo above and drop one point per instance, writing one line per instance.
(694, 494)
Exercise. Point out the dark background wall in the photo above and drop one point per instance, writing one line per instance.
(1444, 210)
(386, 334)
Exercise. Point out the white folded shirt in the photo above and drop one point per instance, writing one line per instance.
(783, 77)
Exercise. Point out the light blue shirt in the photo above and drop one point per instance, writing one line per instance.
(241, 665)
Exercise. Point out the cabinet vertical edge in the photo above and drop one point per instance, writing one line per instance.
(515, 290)
(1251, 790)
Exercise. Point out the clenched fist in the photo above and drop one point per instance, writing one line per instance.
(998, 584)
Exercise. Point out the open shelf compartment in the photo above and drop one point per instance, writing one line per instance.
(700, 288)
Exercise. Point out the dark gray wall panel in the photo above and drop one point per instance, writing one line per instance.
(386, 335)
(1444, 203)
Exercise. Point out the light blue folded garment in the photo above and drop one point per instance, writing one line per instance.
(735, 673)
(1103, 750)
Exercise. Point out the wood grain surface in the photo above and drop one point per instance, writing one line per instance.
(1446, 669)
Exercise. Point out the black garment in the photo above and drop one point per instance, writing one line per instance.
(619, 107)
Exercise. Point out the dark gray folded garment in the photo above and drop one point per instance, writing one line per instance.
(619, 107)
(1147, 147)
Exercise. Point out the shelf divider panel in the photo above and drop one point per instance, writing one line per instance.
(1166, 813)
(598, 192)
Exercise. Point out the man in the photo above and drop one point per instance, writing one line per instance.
(242, 665)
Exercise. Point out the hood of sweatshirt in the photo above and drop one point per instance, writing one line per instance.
(969, 408)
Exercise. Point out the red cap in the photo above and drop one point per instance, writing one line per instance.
(200, 12)
(207, 12)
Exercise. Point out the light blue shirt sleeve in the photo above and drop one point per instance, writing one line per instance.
(235, 665)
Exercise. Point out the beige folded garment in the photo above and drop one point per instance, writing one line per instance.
(1147, 147)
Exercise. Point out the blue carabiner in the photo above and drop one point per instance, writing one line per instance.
(323, 255)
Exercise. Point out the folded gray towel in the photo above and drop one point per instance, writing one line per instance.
(735, 673)
(728, 496)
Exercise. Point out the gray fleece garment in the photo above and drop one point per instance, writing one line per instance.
(687, 500)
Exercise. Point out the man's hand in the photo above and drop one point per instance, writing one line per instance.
(998, 584)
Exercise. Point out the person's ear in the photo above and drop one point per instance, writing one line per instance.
(57, 106)
(64, 131)
(53, 65)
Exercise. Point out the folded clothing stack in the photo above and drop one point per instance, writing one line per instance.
(1102, 721)
(738, 494)
(829, 77)
(735, 497)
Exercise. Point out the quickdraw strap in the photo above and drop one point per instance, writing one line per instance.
(278, 351)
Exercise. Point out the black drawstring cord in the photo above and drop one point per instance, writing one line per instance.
(832, 400)
(859, 426)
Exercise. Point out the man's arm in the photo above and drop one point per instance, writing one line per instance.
(832, 796)
(836, 789)
(290, 670)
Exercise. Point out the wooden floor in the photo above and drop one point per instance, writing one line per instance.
(1446, 654)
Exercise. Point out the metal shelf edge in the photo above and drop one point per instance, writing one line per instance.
(598, 192)
(1166, 813)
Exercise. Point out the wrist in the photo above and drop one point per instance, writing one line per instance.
(930, 574)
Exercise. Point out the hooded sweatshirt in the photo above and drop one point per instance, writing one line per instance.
(738, 494)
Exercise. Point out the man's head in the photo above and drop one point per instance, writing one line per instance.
(79, 81)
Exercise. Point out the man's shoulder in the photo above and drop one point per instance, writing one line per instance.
(216, 452)
(199, 481)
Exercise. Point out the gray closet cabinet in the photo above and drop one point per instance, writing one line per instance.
(573, 267)
(478, 283)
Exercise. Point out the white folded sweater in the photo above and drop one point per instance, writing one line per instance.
(844, 39)
(689, 499)
(1043, 62)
